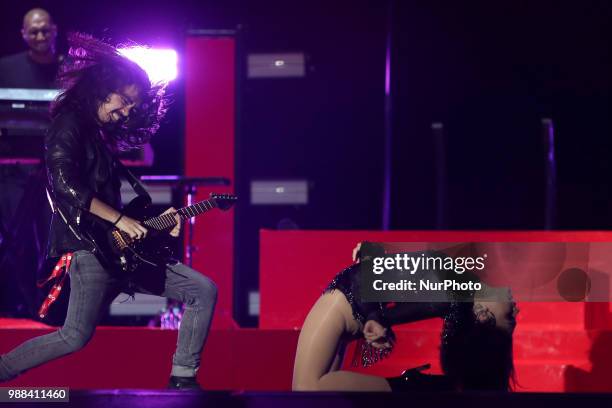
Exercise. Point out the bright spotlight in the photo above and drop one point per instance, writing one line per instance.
(159, 63)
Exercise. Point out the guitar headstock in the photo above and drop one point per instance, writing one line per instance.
(224, 201)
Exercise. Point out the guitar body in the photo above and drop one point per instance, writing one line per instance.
(118, 251)
(153, 251)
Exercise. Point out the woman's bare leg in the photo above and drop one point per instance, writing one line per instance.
(339, 357)
(328, 322)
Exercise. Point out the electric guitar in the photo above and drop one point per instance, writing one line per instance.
(118, 250)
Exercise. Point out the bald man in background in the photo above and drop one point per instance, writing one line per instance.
(36, 67)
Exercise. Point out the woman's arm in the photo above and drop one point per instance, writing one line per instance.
(408, 312)
(125, 224)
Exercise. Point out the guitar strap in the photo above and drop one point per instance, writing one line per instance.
(133, 180)
(59, 275)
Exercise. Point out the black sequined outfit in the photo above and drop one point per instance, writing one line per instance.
(389, 314)
(347, 282)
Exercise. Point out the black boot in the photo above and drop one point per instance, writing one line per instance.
(183, 383)
(414, 380)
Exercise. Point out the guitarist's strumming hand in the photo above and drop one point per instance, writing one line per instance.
(132, 227)
(126, 224)
(177, 228)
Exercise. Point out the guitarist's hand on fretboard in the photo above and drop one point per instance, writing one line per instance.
(132, 227)
(177, 229)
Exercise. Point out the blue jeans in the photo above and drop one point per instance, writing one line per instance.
(93, 288)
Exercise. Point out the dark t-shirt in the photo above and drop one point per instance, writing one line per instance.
(21, 71)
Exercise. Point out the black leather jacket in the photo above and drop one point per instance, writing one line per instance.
(79, 167)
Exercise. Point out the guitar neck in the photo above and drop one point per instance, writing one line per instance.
(164, 221)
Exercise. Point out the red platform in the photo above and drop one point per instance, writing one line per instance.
(135, 357)
(262, 360)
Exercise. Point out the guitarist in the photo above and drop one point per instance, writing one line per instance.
(107, 104)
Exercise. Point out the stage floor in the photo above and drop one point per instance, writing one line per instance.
(152, 399)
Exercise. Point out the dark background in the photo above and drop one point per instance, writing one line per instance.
(489, 71)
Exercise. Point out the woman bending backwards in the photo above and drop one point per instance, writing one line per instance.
(475, 350)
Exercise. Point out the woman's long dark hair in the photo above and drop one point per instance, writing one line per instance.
(476, 354)
(92, 71)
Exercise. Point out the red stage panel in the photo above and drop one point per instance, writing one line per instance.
(295, 267)
(209, 152)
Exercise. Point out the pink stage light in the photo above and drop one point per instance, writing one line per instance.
(159, 63)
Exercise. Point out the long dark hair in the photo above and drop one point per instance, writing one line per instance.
(475, 353)
(92, 71)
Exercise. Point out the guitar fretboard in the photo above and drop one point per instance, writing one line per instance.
(164, 221)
